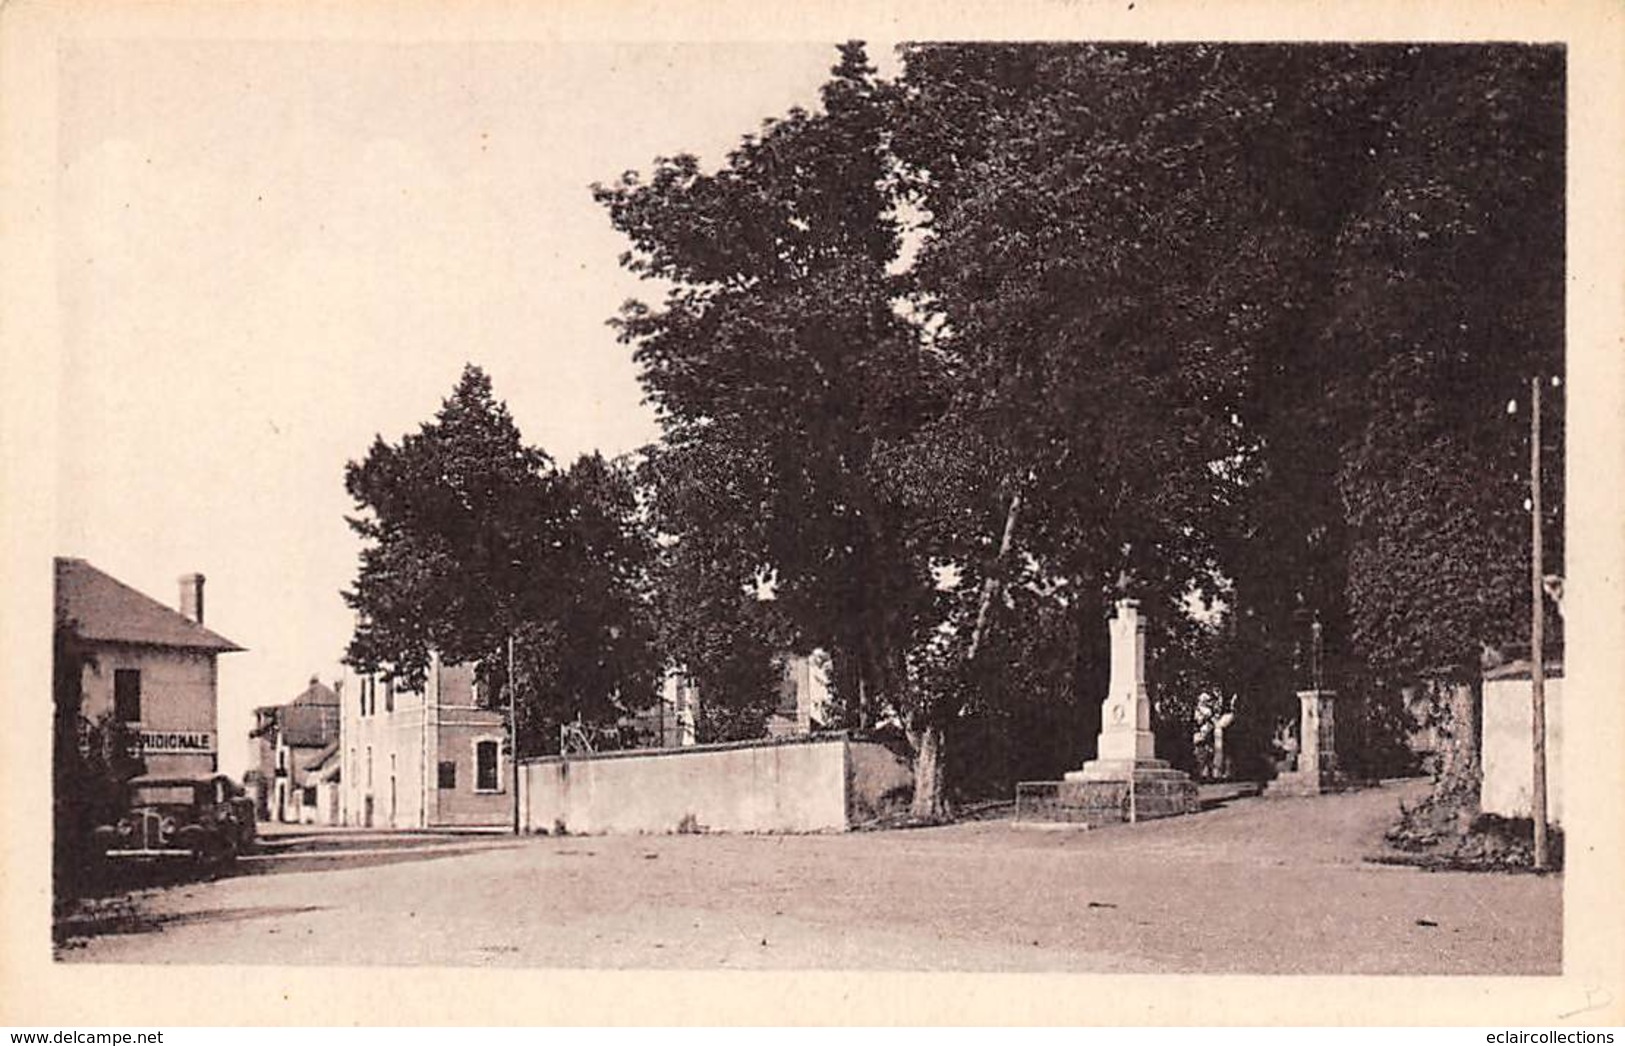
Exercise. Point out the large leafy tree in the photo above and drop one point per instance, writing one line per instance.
(782, 374)
(475, 541)
(712, 622)
(460, 521)
(1242, 320)
(1231, 324)
(1081, 204)
(1450, 290)
(591, 654)
(1450, 293)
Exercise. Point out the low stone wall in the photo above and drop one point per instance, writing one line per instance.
(805, 784)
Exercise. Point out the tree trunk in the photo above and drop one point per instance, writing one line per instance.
(930, 799)
(1460, 767)
(990, 585)
(929, 738)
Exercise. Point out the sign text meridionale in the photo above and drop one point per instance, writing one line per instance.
(176, 741)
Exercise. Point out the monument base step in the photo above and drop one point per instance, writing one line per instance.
(1295, 783)
(1122, 770)
(1157, 791)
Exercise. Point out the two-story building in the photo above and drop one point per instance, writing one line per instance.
(423, 759)
(151, 669)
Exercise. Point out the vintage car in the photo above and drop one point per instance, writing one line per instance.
(205, 818)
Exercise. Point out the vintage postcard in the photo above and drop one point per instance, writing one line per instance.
(667, 514)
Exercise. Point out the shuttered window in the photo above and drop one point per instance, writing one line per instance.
(127, 695)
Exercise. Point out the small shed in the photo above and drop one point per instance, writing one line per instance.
(1508, 750)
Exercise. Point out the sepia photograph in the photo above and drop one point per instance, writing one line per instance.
(881, 502)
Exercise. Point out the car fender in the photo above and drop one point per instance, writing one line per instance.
(191, 835)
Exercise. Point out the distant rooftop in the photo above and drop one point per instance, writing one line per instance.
(317, 693)
(108, 610)
(309, 726)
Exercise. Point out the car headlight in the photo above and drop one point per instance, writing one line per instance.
(125, 828)
(166, 828)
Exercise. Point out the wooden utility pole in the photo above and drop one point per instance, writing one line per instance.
(513, 736)
(1537, 630)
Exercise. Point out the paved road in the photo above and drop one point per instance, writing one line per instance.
(1256, 886)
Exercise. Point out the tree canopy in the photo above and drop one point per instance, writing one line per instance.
(1206, 324)
(782, 375)
(949, 364)
(473, 539)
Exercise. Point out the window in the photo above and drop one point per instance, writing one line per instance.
(369, 767)
(310, 795)
(485, 766)
(448, 774)
(389, 695)
(127, 695)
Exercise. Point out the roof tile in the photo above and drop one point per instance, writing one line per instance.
(107, 609)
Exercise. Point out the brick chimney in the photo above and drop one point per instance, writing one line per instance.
(192, 596)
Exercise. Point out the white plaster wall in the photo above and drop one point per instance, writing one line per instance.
(1508, 751)
(399, 733)
(789, 787)
(178, 692)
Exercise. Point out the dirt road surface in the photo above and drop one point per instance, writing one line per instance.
(1255, 886)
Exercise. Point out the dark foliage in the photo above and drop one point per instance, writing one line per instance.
(474, 539)
(1231, 326)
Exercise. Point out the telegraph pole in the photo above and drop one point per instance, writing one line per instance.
(1537, 630)
(513, 736)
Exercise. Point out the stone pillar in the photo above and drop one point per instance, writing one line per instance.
(1317, 769)
(1125, 738)
(1126, 781)
(1317, 753)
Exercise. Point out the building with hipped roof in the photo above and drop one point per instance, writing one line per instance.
(287, 741)
(150, 669)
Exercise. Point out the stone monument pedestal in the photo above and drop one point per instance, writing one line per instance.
(1126, 781)
(1317, 771)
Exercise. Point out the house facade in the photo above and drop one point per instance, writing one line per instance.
(286, 743)
(423, 759)
(151, 669)
(321, 796)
